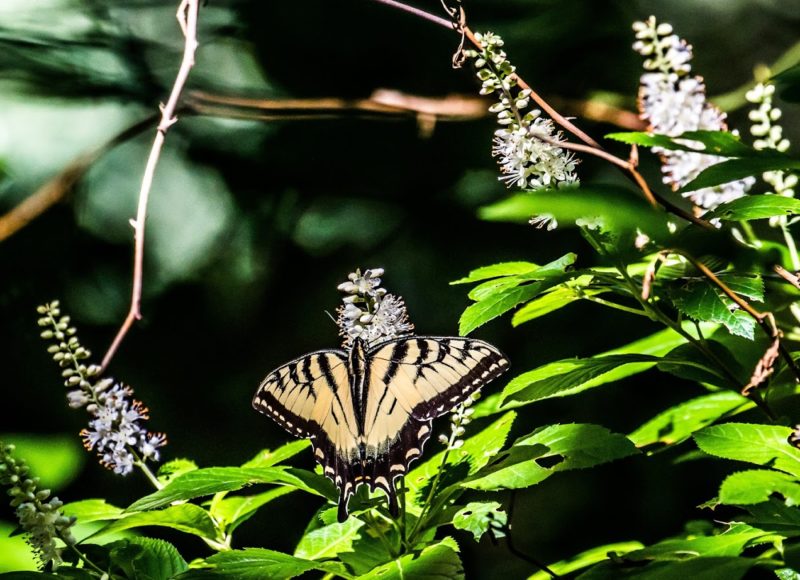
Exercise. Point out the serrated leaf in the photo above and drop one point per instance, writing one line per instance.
(477, 451)
(549, 450)
(501, 300)
(435, 562)
(701, 301)
(555, 299)
(479, 517)
(328, 541)
(252, 564)
(186, 517)
(757, 485)
(759, 444)
(202, 482)
(586, 559)
(729, 543)
(754, 207)
(147, 558)
(787, 574)
(497, 271)
(775, 516)
(92, 510)
(721, 143)
(735, 169)
(267, 458)
(234, 510)
(566, 377)
(677, 424)
(172, 469)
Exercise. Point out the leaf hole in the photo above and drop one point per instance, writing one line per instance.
(549, 461)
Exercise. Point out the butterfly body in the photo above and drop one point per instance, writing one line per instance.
(369, 410)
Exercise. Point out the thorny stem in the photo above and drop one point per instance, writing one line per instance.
(187, 18)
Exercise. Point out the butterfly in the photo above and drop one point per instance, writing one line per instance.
(369, 410)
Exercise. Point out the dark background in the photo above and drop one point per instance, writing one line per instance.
(253, 224)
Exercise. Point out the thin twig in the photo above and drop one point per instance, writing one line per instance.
(792, 279)
(187, 18)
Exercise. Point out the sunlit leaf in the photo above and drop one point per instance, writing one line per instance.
(698, 568)
(551, 449)
(497, 271)
(186, 517)
(480, 517)
(147, 558)
(759, 444)
(586, 559)
(721, 143)
(234, 510)
(757, 485)
(251, 564)
(735, 169)
(267, 458)
(701, 301)
(92, 510)
(754, 207)
(202, 482)
(679, 422)
(328, 541)
(435, 562)
(556, 298)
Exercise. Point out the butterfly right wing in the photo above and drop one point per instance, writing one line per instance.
(310, 397)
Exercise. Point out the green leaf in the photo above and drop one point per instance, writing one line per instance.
(328, 541)
(721, 143)
(477, 451)
(147, 558)
(566, 377)
(788, 83)
(759, 444)
(677, 424)
(586, 559)
(172, 469)
(787, 574)
(235, 510)
(730, 543)
(710, 568)
(435, 562)
(616, 208)
(497, 271)
(506, 298)
(251, 564)
(556, 298)
(92, 510)
(185, 517)
(479, 517)
(735, 169)
(775, 516)
(202, 482)
(756, 486)
(754, 207)
(701, 301)
(267, 458)
(548, 450)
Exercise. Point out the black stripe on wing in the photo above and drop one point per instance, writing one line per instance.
(289, 393)
(432, 374)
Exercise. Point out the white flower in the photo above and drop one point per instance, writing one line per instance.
(115, 432)
(673, 103)
(368, 312)
(544, 220)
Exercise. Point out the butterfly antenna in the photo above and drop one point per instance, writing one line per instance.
(332, 318)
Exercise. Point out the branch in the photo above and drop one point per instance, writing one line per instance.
(187, 18)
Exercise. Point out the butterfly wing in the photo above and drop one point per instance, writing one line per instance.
(310, 397)
(411, 381)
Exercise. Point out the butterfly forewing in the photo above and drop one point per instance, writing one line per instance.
(400, 386)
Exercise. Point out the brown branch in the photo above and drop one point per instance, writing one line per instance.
(792, 279)
(187, 18)
(59, 186)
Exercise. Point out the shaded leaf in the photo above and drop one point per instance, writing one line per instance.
(756, 486)
(252, 564)
(551, 449)
(735, 169)
(759, 444)
(147, 558)
(679, 422)
(721, 143)
(701, 301)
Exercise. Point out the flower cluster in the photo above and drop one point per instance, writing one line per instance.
(39, 514)
(673, 102)
(115, 432)
(769, 135)
(526, 145)
(460, 418)
(368, 311)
